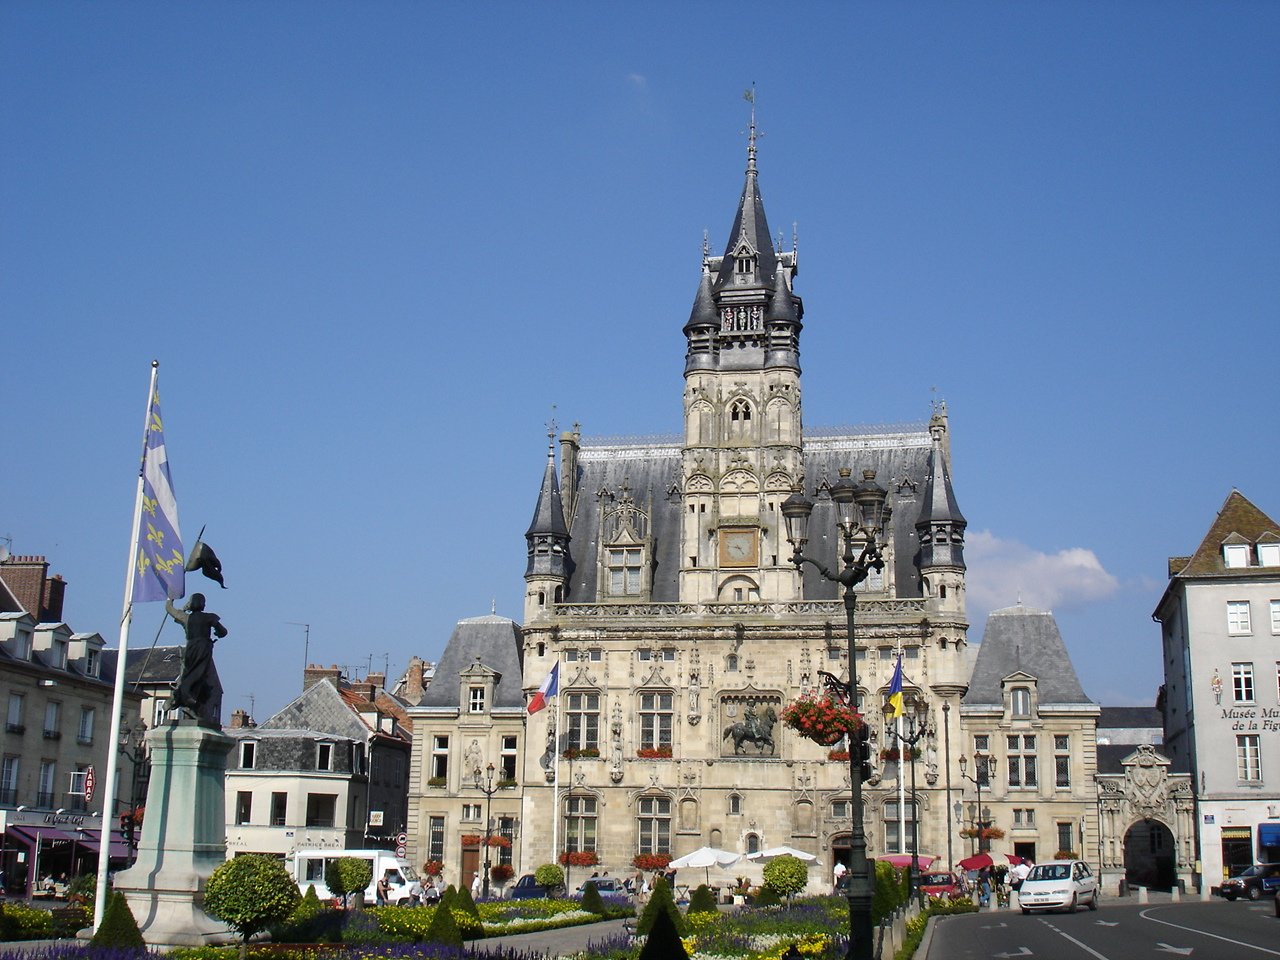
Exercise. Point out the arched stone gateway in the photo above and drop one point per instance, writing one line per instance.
(1147, 822)
(1149, 856)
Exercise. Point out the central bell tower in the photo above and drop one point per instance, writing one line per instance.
(742, 426)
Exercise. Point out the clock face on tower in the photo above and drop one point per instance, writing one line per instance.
(739, 547)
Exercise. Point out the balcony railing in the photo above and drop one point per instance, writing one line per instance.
(18, 728)
(46, 798)
(868, 606)
(53, 734)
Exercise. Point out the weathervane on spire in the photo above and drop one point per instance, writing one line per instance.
(551, 431)
(750, 96)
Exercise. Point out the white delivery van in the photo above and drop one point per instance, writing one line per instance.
(308, 867)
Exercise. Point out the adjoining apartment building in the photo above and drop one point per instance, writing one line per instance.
(1220, 625)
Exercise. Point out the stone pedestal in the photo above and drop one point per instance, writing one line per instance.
(183, 836)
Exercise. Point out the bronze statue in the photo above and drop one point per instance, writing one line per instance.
(198, 691)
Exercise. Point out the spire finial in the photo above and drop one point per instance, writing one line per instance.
(750, 97)
(706, 243)
(551, 434)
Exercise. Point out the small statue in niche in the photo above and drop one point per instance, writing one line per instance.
(1216, 686)
(472, 760)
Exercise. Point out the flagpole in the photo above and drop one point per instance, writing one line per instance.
(117, 702)
(902, 785)
(555, 783)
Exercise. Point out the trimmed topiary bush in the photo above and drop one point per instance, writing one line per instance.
(308, 906)
(786, 874)
(703, 901)
(661, 901)
(664, 941)
(249, 893)
(890, 891)
(767, 897)
(591, 901)
(118, 928)
(443, 929)
(549, 875)
(347, 875)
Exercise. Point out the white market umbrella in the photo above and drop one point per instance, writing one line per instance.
(783, 851)
(705, 857)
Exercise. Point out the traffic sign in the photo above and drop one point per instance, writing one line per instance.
(400, 851)
(401, 839)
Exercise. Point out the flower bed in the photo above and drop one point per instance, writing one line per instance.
(821, 719)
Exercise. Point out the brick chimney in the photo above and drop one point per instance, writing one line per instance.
(39, 594)
(363, 689)
(240, 720)
(314, 674)
(413, 686)
(379, 680)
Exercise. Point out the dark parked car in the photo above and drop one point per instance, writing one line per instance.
(1253, 882)
(527, 888)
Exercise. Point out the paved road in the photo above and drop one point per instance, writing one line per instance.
(1214, 930)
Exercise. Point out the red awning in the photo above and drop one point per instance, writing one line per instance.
(46, 836)
(92, 839)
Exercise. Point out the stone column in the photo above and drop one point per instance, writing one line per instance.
(183, 836)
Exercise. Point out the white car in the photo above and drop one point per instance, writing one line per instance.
(1059, 885)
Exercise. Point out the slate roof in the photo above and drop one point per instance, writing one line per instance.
(1239, 516)
(495, 642)
(898, 454)
(320, 709)
(149, 665)
(1111, 755)
(749, 224)
(1022, 639)
(1130, 718)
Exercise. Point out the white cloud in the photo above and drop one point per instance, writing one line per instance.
(1003, 571)
(637, 80)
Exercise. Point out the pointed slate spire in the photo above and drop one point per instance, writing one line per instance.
(940, 525)
(750, 229)
(548, 535)
(701, 328)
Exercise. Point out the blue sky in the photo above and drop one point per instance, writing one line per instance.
(372, 244)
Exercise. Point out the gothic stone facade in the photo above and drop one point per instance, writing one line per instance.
(659, 576)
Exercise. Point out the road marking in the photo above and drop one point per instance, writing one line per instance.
(1022, 952)
(1163, 947)
(994, 926)
(1204, 933)
(1083, 946)
(1107, 923)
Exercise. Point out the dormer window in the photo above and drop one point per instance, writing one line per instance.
(746, 264)
(58, 655)
(1269, 554)
(475, 700)
(22, 645)
(93, 662)
(1020, 702)
(625, 567)
(1236, 554)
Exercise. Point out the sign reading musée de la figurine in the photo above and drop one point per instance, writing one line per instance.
(1246, 718)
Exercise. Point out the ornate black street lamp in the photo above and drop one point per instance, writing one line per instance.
(860, 516)
(488, 788)
(984, 767)
(919, 721)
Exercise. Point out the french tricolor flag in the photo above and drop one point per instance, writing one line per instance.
(550, 687)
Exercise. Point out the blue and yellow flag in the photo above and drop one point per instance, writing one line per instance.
(158, 566)
(894, 709)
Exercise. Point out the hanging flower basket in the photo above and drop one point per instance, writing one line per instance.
(651, 861)
(821, 719)
(990, 833)
(580, 858)
(433, 868)
(501, 872)
(893, 754)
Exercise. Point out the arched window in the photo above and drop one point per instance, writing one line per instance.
(735, 803)
(731, 663)
(753, 843)
(1021, 702)
(740, 412)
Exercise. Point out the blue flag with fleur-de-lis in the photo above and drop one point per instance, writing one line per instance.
(158, 565)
